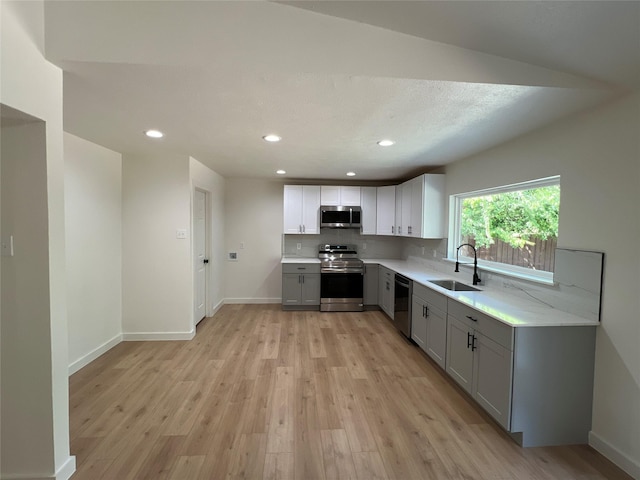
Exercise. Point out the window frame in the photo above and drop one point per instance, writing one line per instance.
(455, 210)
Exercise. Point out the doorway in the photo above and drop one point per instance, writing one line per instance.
(200, 259)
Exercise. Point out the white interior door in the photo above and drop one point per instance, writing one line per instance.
(200, 254)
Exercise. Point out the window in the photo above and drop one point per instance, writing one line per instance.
(513, 228)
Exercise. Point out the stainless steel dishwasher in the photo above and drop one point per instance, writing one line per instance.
(402, 304)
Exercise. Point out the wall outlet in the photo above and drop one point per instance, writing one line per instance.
(233, 256)
(422, 251)
(364, 246)
(241, 245)
(299, 246)
(435, 253)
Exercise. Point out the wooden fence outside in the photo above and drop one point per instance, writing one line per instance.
(539, 255)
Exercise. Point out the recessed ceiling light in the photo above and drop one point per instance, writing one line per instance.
(154, 134)
(280, 172)
(386, 143)
(351, 174)
(272, 138)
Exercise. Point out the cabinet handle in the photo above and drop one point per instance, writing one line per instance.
(426, 310)
(399, 230)
(473, 343)
(299, 278)
(302, 278)
(469, 340)
(300, 228)
(303, 229)
(393, 230)
(471, 318)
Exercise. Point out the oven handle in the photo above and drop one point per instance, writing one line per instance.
(342, 270)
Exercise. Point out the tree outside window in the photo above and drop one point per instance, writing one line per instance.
(518, 227)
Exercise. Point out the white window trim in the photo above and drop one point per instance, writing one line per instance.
(455, 205)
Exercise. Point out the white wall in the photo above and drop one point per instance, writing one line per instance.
(597, 155)
(254, 218)
(35, 418)
(93, 223)
(156, 266)
(204, 178)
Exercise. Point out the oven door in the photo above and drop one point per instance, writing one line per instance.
(341, 291)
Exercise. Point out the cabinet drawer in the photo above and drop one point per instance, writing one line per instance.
(490, 327)
(430, 296)
(300, 268)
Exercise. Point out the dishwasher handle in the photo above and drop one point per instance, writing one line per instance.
(403, 281)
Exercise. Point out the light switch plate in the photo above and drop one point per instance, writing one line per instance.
(7, 246)
(181, 233)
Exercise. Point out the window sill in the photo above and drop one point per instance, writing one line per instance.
(505, 272)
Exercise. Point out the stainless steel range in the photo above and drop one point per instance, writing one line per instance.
(341, 279)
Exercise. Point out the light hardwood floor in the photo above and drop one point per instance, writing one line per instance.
(266, 394)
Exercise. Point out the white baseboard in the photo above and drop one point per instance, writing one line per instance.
(622, 460)
(92, 355)
(252, 300)
(63, 473)
(157, 336)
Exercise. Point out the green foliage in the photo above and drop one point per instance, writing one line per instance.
(513, 217)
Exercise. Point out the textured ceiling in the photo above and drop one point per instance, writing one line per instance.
(442, 79)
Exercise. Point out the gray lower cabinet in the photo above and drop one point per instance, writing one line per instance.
(386, 290)
(371, 287)
(479, 357)
(300, 286)
(536, 382)
(429, 322)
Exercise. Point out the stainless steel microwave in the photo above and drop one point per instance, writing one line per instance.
(332, 216)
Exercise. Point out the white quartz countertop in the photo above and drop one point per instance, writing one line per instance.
(509, 309)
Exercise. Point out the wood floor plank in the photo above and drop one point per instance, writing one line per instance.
(260, 393)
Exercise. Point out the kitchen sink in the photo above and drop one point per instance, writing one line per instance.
(454, 285)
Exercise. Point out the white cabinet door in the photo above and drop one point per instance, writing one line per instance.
(368, 203)
(292, 209)
(459, 354)
(419, 322)
(437, 335)
(350, 196)
(399, 227)
(415, 216)
(330, 195)
(433, 202)
(408, 209)
(311, 209)
(340, 195)
(301, 209)
(492, 378)
(385, 210)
